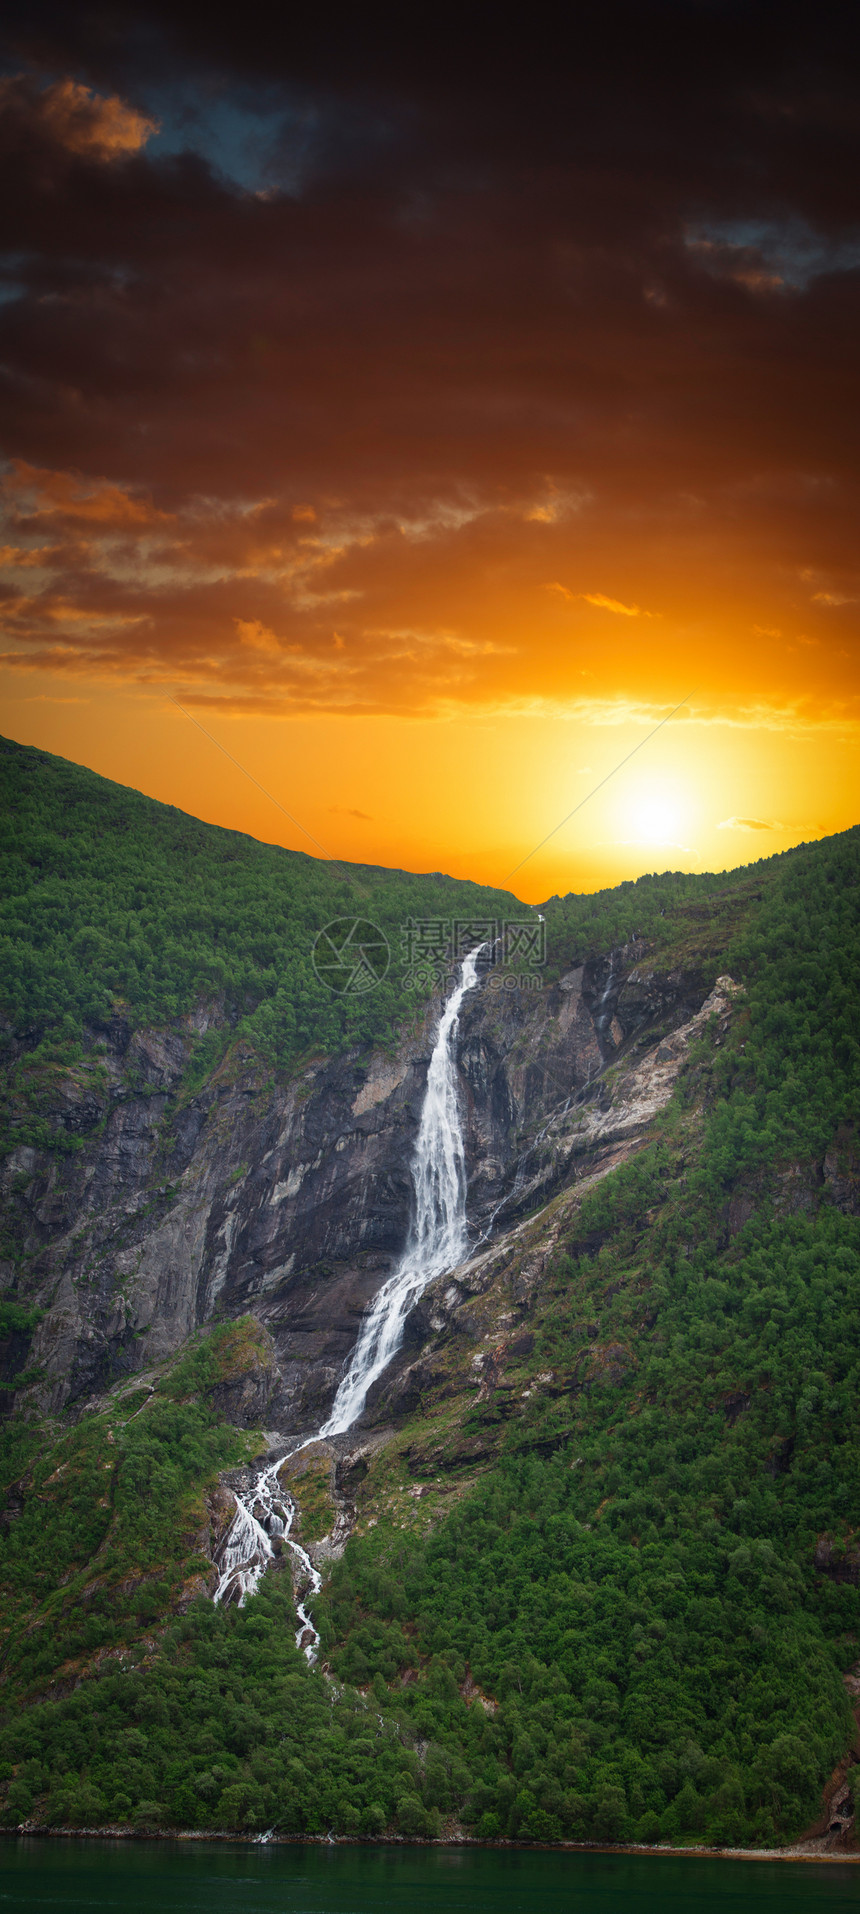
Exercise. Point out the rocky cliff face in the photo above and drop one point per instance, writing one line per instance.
(462, 1315)
(292, 1200)
(538, 1065)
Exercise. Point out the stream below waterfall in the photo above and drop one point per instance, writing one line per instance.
(253, 1541)
(437, 1242)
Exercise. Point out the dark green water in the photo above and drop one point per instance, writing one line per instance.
(141, 1877)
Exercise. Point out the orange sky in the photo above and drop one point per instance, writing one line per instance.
(430, 460)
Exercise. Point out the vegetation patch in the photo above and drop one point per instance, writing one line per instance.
(115, 906)
(631, 1528)
(105, 1523)
(313, 1494)
(651, 1575)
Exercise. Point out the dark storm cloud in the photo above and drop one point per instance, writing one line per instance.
(447, 297)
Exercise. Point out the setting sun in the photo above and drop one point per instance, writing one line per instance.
(655, 814)
(399, 540)
(657, 820)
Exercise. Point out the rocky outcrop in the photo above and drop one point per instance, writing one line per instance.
(579, 1146)
(541, 1071)
(842, 1171)
(603, 1107)
(167, 1208)
(838, 1560)
(246, 1397)
(288, 1200)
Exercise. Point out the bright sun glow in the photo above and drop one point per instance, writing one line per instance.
(657, 820)
(655, 816)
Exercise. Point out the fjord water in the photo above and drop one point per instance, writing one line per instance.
(141, 1877)
(436, 1242)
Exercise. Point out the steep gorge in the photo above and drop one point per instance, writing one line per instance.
(292, 1200)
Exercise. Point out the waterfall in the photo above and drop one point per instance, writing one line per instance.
(250, 1547)
(437, 1239)
(436, 1243)
(602, 1015)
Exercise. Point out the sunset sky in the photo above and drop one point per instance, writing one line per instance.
(429, 416)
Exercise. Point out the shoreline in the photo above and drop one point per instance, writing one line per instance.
(656, 1852)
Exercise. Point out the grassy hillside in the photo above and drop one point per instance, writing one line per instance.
(112, 902)
(623, 1602)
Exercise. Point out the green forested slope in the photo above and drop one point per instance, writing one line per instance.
(109, 900)
(653, 1583)
(674, 912)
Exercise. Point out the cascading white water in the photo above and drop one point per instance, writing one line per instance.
(437, 1242)
(602, 1013)
(437, 1239)
(249, 1548)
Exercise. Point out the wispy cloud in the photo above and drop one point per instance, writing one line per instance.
(33, 492)
(601, 602)
(88, 124)
(750, 824)
(615, 605)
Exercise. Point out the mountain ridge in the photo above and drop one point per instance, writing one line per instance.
(590, 1557)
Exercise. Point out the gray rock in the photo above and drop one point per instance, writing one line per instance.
(291, 1200)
